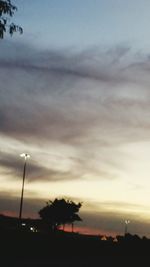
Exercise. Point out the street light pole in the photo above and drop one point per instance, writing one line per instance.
(25, 156)
(126, 226)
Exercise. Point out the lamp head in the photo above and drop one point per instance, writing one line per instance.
(127, 221)
(25, 155)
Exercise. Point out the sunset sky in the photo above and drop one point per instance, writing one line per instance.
(75, 95)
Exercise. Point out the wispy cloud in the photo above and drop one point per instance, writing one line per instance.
(89, 102)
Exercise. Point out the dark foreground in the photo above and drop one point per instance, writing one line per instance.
(27, 249)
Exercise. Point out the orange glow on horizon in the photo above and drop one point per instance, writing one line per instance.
(9, 213)
(88, 231)
(77, 229)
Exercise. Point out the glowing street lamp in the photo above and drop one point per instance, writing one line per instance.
(126, 226)
(25, 156)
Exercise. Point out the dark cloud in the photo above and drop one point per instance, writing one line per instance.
(10, 205)
(111, 216)
(62, 95)
(114, 222)
(91, 63)
(13, 166)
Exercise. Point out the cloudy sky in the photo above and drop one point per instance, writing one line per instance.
(75, 95)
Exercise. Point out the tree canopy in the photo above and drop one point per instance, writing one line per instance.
(60, 212)
(7, 10)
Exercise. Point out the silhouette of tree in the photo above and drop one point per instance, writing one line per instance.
(7, 10)
(60, 212)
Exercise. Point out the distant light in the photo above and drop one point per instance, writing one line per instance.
(104, 238)
(23, 224)
(33, 229)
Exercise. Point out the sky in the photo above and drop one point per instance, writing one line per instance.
(75, 95)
